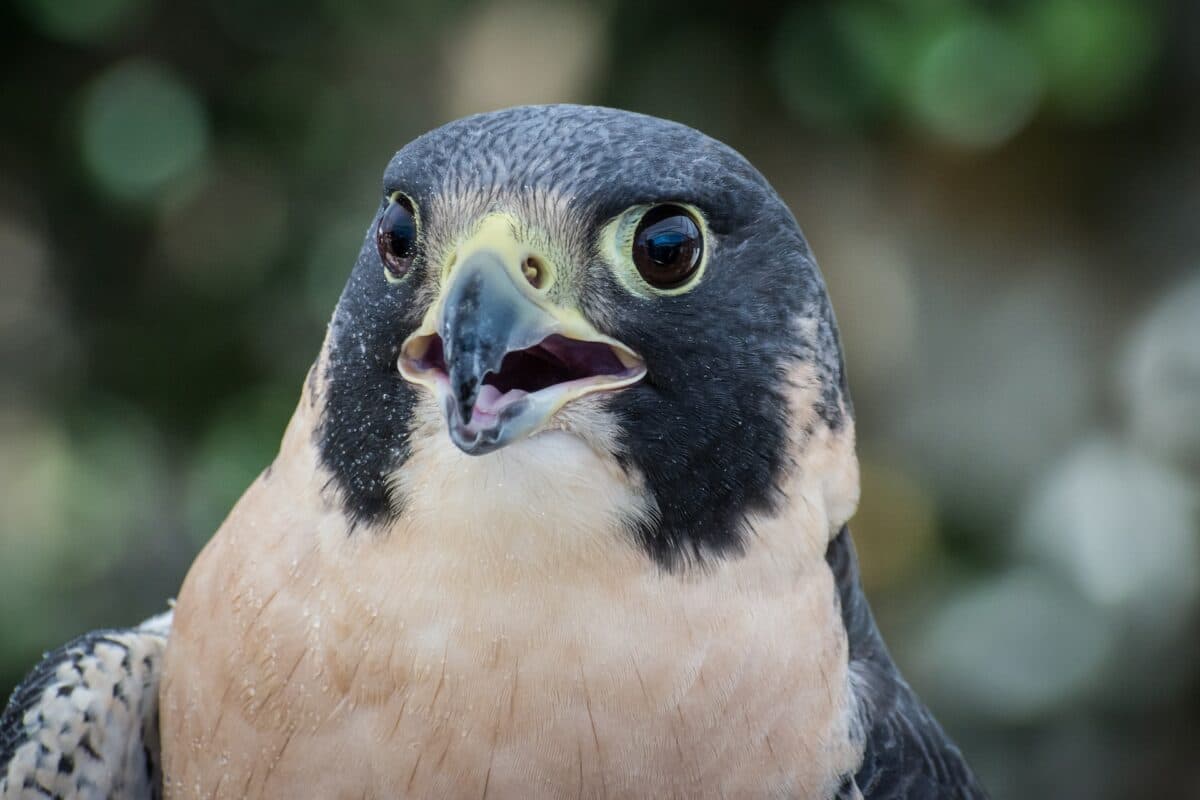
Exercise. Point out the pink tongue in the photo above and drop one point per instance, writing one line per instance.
(488, 395)
(491, 401)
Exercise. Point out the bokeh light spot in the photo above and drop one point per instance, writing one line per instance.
(1160, 378)
(976, 85)
(1095, 53)
(513, 52)
(140, 128)
(1013, 647)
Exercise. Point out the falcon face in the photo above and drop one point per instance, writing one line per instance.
(568, 271)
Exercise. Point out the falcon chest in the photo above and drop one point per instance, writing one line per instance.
(502, 639)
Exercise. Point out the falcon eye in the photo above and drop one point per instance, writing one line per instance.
(397, 236)
(667, 246)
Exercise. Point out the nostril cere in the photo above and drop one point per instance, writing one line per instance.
(534, 271)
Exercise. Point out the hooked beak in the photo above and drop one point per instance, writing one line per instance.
(501, 359)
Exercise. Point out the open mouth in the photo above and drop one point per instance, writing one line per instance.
(556, 366)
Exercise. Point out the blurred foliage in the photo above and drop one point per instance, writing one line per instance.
(1003, 196)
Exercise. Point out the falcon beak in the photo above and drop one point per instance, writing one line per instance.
(498, 355)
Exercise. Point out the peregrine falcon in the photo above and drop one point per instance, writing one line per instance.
(562, 512)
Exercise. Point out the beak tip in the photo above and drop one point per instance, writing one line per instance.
(475, 442)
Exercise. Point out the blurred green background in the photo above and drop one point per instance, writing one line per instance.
(1004, 197)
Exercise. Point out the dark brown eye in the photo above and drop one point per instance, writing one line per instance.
(397, 236)
(667, 246)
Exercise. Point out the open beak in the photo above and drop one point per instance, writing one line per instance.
(499, 357)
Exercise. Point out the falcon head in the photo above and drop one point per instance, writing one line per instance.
(546, 286)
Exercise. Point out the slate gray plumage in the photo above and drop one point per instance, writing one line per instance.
(906, 755)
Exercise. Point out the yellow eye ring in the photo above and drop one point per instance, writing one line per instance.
(396, 237)
(658, 249)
